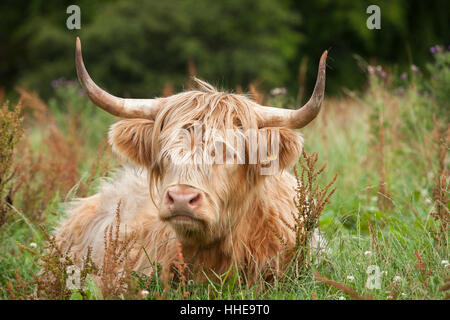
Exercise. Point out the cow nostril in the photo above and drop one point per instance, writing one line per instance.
(184, 199)
(169, 198)
(194, 200)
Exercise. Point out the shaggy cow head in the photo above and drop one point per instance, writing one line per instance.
(206, 152)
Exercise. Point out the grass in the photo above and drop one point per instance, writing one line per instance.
(387, 221)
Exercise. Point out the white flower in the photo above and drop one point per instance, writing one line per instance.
(278, 91)
(342, 298)
(33, 245)
(397, 279)
(404, 295)
(445, 263)
(423, 192)
(351, 278)
(368, 253)
(428, 201)
(145, 293)
(390, 297)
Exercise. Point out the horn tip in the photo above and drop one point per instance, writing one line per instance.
(78, 43)
(324, 56)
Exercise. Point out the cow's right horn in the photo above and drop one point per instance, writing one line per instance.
(296, 119)
(120, 107)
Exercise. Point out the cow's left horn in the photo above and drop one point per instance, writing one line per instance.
(120, 107)
(296, 119)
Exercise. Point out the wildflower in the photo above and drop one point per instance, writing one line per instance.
(414, 69)
(145, 293)
(404, 76)
(278, 91)
(342, 298)
(390, 297)
(397, 279)
(33, 245)
(351, 278)
(423, 192)
(368, 253)
(380, 72)
(445, 263)
(436, 49)
(58, 82)
(403, 295)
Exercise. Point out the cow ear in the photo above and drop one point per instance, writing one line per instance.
(290, 145)
(131, 139)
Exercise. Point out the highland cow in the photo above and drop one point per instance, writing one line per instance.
(224, 213)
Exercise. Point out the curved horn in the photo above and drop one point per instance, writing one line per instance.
(296, 119)
(120, 107)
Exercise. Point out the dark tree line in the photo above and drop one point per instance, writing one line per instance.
(134, 48)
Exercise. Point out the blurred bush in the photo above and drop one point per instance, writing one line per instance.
(136, 48)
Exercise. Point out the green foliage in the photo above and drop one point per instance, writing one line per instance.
(133, 48)
(408, 29)
(70, 102)
(136, 47)
(439, 83)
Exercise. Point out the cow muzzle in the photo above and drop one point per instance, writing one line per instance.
(182, 204)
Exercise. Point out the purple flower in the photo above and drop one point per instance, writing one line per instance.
(54, 84)
(404, 76)
(58, 82)
(436, 49)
